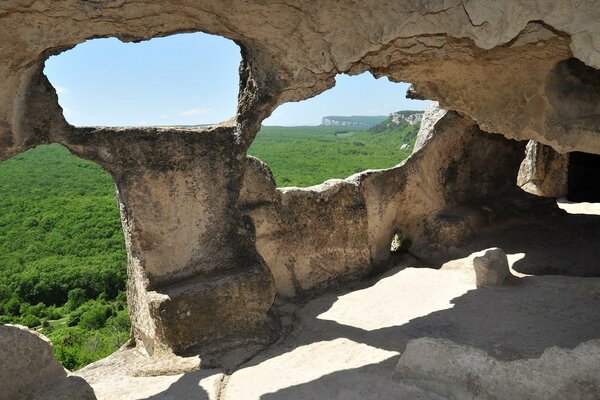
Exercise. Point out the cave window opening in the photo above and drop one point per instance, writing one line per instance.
(179, 80)
(63, 261)
(362, 123)
(584, 178)
(397, 244)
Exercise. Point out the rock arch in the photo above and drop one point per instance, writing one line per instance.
(192, 255)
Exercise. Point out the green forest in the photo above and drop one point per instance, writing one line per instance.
(62, 254)
(63, 264)
(308, 155)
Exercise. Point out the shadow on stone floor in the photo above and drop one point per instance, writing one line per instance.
(513, 322)
(556, 245)
(185, 388)
(510, 323)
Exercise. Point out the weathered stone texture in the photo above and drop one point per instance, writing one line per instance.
(292, 51)
(455, 371)
(311, 238)
(28, 369)
(544, 172)
(491, 268)
(211, 240)
(195, 277)
(314, 238)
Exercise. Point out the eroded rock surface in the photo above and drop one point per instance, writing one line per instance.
(541, 57)
(211, 240)
(28, 369)
(317, 237)
(454, 371)
(544, 172)
(491, 268)
(195, 278)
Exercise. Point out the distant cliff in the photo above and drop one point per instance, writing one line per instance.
(355, 120)
(412, 117)
(398, 119)
(394, 120)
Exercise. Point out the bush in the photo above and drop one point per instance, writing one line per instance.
(30, 321)
(95, 317)
(75, 298)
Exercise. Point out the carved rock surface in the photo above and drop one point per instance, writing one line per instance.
(194, 276)
(455, 371)
(542, 57)
(314, 238)
(28, 369)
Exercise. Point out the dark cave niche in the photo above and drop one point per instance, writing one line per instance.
(584, 177)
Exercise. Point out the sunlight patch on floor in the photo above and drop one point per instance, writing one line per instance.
(579, 208)
(392, 300)
(303, 364)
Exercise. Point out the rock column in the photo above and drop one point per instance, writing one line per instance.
(196, 281)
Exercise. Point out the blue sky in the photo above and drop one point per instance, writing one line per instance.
(190, 79)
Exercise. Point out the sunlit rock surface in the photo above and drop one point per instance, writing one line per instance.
(28, 369)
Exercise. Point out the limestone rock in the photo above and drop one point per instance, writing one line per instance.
(531, 68)
(404, 147)
(315, 238)
(463, 372)
(28, 369)
(411, 119)
(491, 268)
(544, 172)
(431, 116)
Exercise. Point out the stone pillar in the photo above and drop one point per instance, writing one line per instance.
(196, 282)
(544, 171)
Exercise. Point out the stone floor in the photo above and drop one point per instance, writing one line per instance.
(347, 345)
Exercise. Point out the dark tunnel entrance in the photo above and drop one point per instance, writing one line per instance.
(584, 177)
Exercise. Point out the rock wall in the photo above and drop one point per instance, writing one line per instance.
(292, 51)
(314, 238)
(544, 172)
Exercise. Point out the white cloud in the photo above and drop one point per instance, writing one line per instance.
(68, 111)
(194, 111)
(61, 90)
(164, 116)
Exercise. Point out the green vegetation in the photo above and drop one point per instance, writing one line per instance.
(62, 251)
(308, 155)
(62, 254)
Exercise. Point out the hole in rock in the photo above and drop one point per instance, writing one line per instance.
(185, 79)
(584, 177)
(400, 244)
(362, 123)
(63, 263)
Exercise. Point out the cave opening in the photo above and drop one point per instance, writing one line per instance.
(584, 175)
(186, 79)
(361, 123)
(63, 261)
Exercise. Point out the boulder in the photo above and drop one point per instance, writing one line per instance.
(491, 268)
(28, 369)
(544, 171)
(455, 371)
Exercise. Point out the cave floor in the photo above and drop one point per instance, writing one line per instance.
(346, 345)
